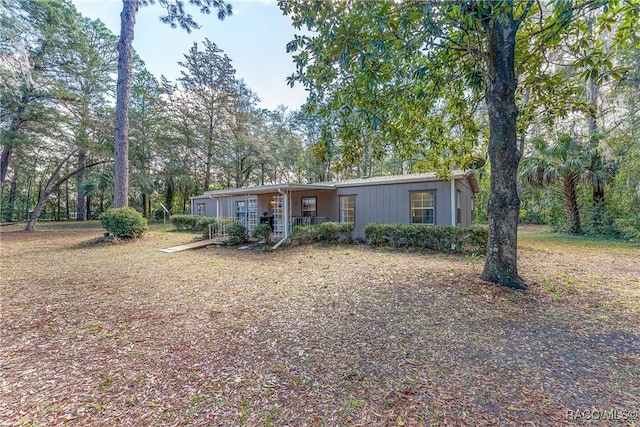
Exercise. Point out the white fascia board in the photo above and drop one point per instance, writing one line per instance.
(399, 180)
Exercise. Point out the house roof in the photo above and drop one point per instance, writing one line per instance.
(332, 185)
(396, 179)
(262, 189)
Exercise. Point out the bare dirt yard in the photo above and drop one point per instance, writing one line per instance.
(103, 333)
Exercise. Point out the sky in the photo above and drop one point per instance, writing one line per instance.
(254, 37)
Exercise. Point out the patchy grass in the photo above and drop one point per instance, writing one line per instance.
(100, 332)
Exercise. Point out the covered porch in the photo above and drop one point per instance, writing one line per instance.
(280, 206)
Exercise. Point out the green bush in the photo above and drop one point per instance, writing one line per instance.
(124, 222)
(262, 232)
(325, 232)
(218, 224)
(185, 222)
(202, 225)
(199, 224)
(306, 234)
(630, 227)
(237, 234)
(532, 217)
(437, 238)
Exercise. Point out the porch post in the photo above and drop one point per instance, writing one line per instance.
(453, 202)
(286, 214)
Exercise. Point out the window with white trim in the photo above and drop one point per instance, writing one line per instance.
(348, 209)
(423, 208)
(309, 206)
(200, 209)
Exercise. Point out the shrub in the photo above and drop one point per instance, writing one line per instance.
(195, 223)
(218, 224)
(124, 222)
(185, 222)
(202, 225)
(337, 231)
(262, 232)
(532, 217)
(306, 234)
(325, 232)
(630, 227)
(237, 234)
(437, 238)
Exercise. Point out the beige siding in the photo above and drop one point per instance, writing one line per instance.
(209, 206)
(326, 202)
(387, 204)
(383, 203)
(467, 197)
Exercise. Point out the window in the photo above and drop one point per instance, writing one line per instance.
(309, 206)
(348, 209)
(240, 211)
(423, 208)
(200, 209)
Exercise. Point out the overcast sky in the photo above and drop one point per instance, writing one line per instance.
(255, 39)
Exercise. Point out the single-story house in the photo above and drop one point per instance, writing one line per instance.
(404, 199)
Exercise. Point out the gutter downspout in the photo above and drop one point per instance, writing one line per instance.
(286, 220)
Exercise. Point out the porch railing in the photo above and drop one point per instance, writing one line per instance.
(308, 220)
(219, 229)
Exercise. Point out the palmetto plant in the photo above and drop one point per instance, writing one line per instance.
(99, 183)
(566, 162)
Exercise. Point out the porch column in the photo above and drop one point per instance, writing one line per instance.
(286, 214)
(453, 202)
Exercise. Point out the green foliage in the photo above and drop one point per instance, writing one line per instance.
(327, 232)
(197, 223)
(602, 223)
(262, 232)
(202, 225)
(532, 217)
(437, 238)
(124, 222)
(185, 222)
(629, 227)
(237, 234)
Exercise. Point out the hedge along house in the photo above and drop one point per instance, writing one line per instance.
(402, 199)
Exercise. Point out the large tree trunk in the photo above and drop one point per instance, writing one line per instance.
(592, 127)
(569, 189)
(169, 196)
(144, 206)
(16, 124)
(121, 153)
(5, 157)
(207, 172)
(504, 204)
(80, 208)
(12, 200)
